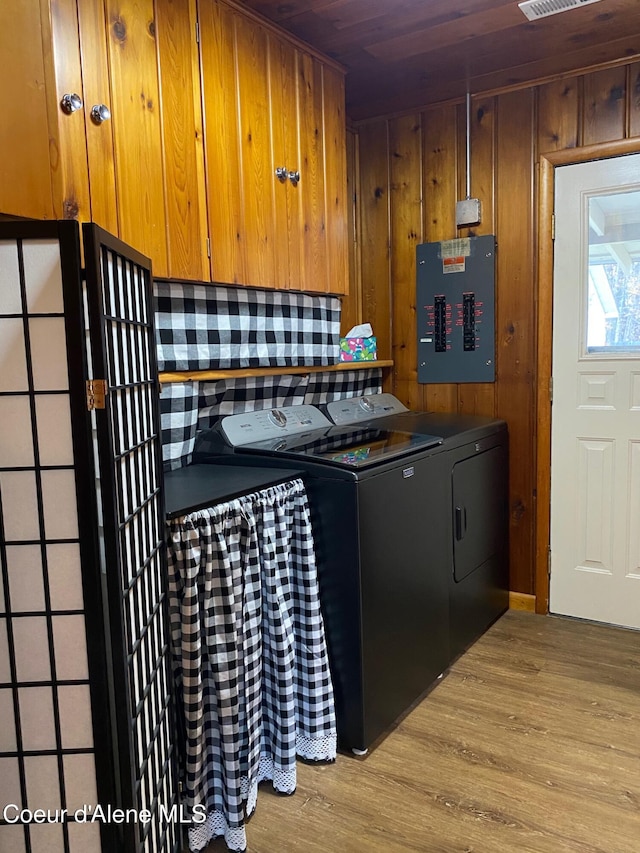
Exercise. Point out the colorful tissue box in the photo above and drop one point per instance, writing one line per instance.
(358, 349)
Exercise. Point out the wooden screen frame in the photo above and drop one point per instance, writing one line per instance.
(546, 190)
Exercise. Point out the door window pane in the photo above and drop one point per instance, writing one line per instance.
(613, 314)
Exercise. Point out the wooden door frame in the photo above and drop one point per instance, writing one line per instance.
(546, 188)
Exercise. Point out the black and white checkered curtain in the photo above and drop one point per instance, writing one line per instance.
(249, 654)
(217, 328)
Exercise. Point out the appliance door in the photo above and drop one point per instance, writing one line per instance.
(404, 587)
(478, 510)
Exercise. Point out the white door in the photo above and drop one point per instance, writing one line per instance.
(595, 434)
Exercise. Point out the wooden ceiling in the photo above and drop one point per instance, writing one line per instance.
(403, 54)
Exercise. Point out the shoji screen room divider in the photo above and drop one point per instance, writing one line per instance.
(85, 683)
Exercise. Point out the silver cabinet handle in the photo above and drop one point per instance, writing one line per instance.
(282, 174)
(294, 177)
(100, 113)
(70, 102)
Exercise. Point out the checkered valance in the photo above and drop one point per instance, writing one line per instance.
(213, 327)
(187, 407)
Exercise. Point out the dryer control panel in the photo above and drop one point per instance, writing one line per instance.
(455, 310)
(354, 409)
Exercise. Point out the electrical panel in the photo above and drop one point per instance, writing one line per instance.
(456, 310)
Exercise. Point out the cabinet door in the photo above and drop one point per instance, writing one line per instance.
(335, 177)
(312, 235)
(222, 144)
(136, 125)
(25, 185)
(256, 172)
(183, 151)
(284, 61)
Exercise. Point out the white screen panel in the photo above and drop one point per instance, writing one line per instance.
(13, 362)
(32, 648)
(43, 786)
(70, 644)
(54, 429)
(19, 505)
(8, 727)
(26, 582)
(85, 838)
(60, 506)
(80, 780)
(16, 441)
(5, 668)
(10, 299)
(43, 276)
(65, 578)
(74, 702)
(36, 718)
(46, 838)
(48, 354)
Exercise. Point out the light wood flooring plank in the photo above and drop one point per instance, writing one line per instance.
(530, 744)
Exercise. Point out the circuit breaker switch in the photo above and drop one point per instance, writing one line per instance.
(468, 322)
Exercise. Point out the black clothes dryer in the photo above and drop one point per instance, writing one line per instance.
(472, 472)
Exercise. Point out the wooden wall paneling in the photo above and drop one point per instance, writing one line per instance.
(558, 114)
(478, 398)
(222, 142)
(25, 182)
(335, 171)
(311, 167)
(604, 112)
(405, 169)
(97, 90)
(68, 141)
(258, 183)
(515, 326)
(352, 301)
(181, 113)
(284, 116)
(633, 99)
(137, 133)
(375, 231)
(440, 171)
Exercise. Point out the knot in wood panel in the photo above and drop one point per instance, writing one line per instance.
(119, 30)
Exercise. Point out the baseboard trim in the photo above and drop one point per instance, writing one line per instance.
(522, 601)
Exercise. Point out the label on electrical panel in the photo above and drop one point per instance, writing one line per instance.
(453, 254)
(456, 264)
(458, 248)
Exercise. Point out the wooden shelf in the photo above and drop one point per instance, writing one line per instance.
(213, 375)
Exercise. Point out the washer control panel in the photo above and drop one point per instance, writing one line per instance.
(271, 423)
(365, 408)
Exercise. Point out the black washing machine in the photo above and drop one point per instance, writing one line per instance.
(376, 514)
(471, 472)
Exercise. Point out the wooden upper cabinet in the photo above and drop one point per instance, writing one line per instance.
(138, 172)
(273, 127)
(139, 62)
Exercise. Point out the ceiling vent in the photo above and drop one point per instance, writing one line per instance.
(535, 9)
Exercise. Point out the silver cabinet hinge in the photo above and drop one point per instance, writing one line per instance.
(197, 33)
(553, 226)
(551, 389)
(549, 562)
(208, 247)
(96, 394)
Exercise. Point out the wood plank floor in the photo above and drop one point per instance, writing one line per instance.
(530, 744)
